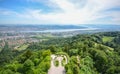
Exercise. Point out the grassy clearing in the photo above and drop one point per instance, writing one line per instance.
(63, 61)
(22, 47)
(107, 39)
(44, 36)
(107, 47)
(56, 62)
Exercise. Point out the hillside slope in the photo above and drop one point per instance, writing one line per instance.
(87, 54)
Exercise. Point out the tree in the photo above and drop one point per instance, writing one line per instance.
(28, 65)
(52, 48)
(75, 69)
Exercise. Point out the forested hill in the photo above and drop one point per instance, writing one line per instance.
(87, 54)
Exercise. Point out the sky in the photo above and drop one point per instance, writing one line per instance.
(59, 11)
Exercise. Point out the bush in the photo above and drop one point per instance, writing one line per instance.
(56, 63)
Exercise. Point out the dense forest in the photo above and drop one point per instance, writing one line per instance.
(97, 53)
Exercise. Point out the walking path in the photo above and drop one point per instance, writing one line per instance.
(56, 70)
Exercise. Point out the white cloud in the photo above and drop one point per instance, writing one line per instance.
(6, 12)
(74, 11)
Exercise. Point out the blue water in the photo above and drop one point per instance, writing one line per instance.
(62, 30)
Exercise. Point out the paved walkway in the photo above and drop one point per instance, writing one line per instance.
(56, 70)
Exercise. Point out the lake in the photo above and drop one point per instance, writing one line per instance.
(61, 30)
